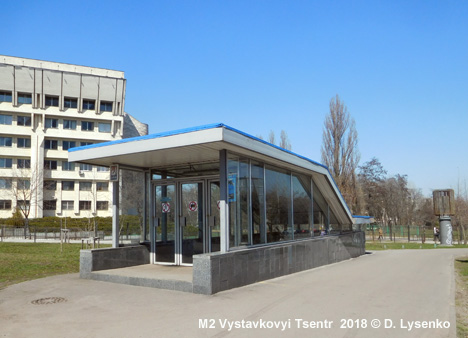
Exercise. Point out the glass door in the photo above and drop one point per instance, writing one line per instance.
(187, 220)
(165, 214)
(191, 220)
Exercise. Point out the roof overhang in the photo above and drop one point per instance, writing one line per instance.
(201, 145)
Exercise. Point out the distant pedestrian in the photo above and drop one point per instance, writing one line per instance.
(380, 234)
(436, 234)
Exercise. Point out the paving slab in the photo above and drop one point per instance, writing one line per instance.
(400, 289)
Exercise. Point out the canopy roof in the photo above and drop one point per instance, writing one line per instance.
(202, 145)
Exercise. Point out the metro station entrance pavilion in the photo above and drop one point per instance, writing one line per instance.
(236, 208)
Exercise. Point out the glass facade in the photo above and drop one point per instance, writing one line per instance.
(268, 204)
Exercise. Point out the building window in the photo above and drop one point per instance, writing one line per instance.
(85, 205)
(5, 204)
(23, 163)
(102, 169)
(50, 185)
(51, 144)
(86, 167)
(24, 121)
(5, 141)
(68, 166)
(67, 205)
(87, 126)
(23, 204)
(5, 96)
(68, 144)
(6, 119)
(82, 144)
(24, 98)
(102, 205)
(51, 123)
(24, 184)
(106, 106)
(70, 102)
(50, 205)
(104, 127)
(88, 104)
(102, 186)
(51, 101)
(23, 143)
(68, 185)
(6, 162)
(50, 165)
(85, 186)
(69, 124)
(5, 183)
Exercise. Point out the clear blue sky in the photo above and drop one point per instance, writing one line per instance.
(401, 67)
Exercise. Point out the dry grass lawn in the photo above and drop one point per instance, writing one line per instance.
(461, 296)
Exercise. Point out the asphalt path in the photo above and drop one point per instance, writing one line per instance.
(383, 294)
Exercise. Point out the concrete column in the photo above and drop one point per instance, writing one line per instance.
(223, 202)
(115, 214)
(445, 230)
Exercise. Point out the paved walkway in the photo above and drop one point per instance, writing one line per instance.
(393, 288)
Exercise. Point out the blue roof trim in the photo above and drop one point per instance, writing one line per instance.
(205, 127)
(359, 216)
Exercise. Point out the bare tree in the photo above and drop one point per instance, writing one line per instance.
(461, 215)
(284, 141)
(371, 179)
(271, 137)
(26, 190)
(340, 149)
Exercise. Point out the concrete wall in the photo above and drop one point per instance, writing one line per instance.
(217, 272)
(112, 258)
(132, 127)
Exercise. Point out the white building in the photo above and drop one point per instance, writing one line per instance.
(47, 108)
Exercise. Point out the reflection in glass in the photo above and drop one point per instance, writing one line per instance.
(278, 205)
(320, 214)
(301, 206)
(165, 214)
(238, 173)
(258, 204)
(192, 224)
(214, 213)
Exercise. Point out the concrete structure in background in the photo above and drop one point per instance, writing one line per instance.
(47, 108)
(237, 209)
(444, 207)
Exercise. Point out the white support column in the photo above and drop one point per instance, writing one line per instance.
(223, 203)
(115, 214)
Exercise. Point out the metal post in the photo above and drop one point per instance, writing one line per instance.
(115, 214)
(223, 202)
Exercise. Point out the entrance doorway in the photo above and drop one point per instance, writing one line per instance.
(186, 219)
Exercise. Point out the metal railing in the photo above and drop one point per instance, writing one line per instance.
(54, 234)
(400, 233)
